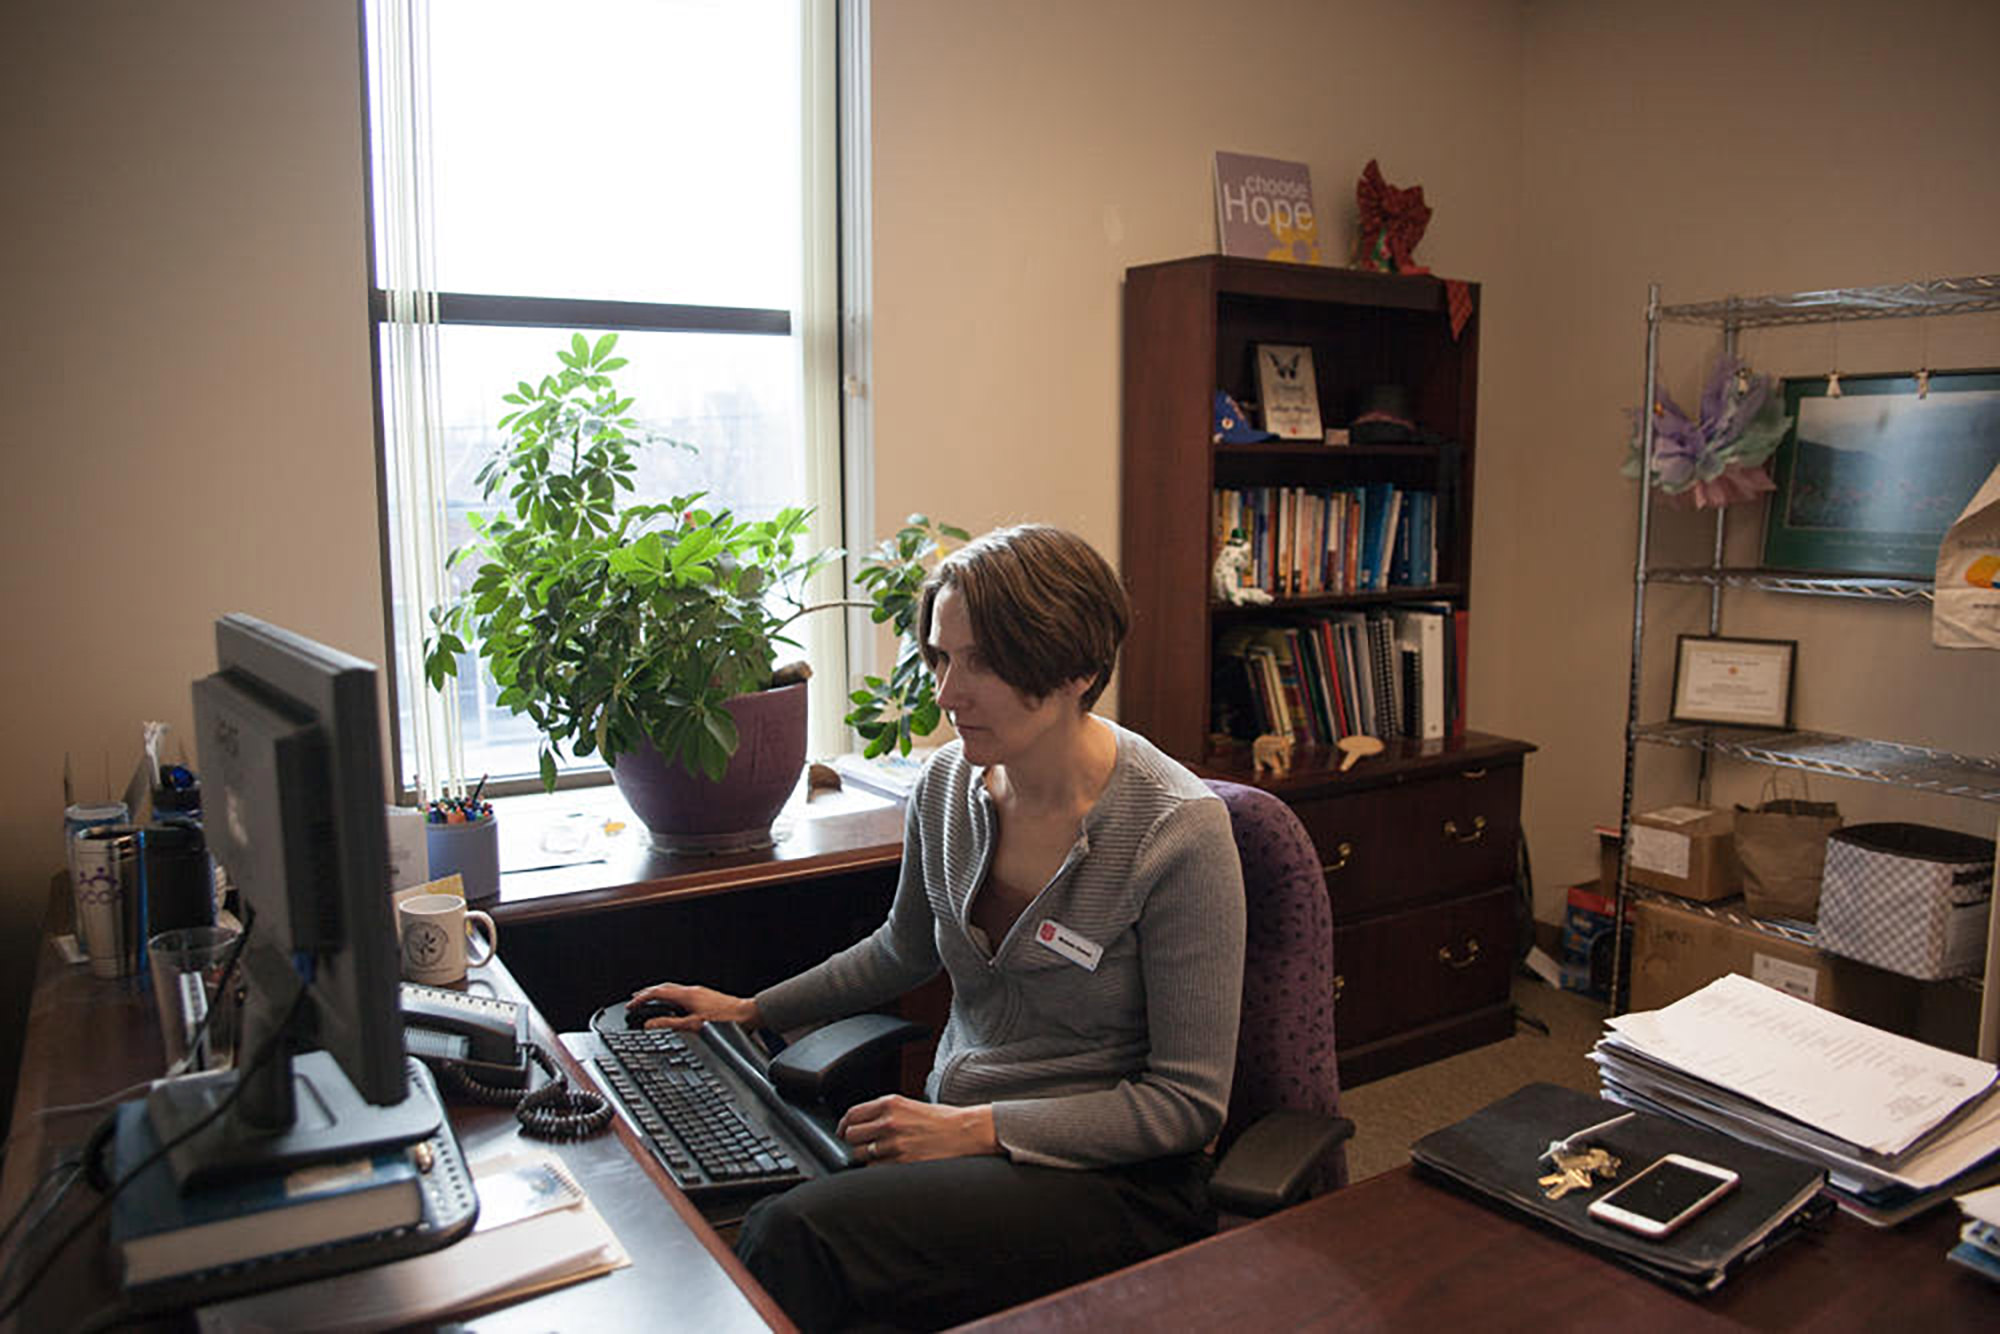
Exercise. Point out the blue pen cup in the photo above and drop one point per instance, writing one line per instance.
(473, 850)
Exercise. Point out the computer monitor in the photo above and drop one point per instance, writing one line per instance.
(291, 765)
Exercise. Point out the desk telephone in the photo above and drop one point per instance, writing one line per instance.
(480, 1035)
(478, 1048)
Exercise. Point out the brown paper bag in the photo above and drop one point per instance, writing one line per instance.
(1781, 844)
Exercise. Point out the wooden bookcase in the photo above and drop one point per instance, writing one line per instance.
(1420, 844)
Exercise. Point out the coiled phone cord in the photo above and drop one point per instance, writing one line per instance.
(555, 1111)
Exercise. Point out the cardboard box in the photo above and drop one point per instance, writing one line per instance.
(1678, 950)
(1686, 850)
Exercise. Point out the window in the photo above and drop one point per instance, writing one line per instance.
(656, 167)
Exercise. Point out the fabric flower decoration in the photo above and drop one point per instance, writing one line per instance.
(1718, 457)
(1391, 222)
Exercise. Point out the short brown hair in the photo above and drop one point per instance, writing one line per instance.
(1045, 608)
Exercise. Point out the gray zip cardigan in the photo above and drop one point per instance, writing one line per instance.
(1085, 1066)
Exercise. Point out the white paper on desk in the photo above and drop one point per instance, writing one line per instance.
(1876, 1090)
(541, 1250)
(1967, 1143)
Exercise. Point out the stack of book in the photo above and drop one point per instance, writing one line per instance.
(1388, 672)
(1307, 541)
(1497, 1155)
(537, 1230)
(1899, 1125)
(1978, 1246)
(172, 1243)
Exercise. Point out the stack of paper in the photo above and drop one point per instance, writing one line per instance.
(1899, 1125)
(1978, 1246)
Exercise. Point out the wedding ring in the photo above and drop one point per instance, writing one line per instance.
(870, 1147)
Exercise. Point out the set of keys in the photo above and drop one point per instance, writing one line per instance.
(1578, 1167)
(1577, 1171)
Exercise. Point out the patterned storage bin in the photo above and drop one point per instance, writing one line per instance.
(1908, 898)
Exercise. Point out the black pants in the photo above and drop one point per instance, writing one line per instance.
(926, 1245)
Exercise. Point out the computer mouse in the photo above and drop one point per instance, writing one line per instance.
(638, 1012)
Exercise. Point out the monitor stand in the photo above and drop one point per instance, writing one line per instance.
(330, 1121)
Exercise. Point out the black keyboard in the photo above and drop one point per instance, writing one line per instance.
(697, 1127)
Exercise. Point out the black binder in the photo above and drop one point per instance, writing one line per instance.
(1495, 1155)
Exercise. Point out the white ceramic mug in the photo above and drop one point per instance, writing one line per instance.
(437, 935)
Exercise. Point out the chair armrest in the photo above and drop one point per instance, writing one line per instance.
(1269, 1165)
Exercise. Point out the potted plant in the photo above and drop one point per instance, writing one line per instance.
(650, 633)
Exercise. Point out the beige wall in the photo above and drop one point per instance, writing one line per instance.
(1027, 153)
(1718, 149)
(190, 426)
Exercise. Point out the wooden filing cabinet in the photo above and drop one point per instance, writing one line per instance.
(1420, 854)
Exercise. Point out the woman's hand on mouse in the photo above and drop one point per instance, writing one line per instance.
(698, 1006)
(896, 1129)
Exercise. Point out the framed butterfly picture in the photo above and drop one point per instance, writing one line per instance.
(1290, 393)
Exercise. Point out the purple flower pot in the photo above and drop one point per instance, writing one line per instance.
(689, 813)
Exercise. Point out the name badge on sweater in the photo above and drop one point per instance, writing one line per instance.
(1069, 944)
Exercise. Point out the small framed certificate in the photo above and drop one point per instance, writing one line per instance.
(1290, 392)
(1734, 682)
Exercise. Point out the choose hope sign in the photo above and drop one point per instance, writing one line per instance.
(1264, 208)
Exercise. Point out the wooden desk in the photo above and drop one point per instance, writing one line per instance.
(88, 1038)
(1398, 1253)
(579, 936)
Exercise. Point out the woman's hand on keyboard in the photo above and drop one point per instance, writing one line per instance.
(896, 1129)
(695, 1005)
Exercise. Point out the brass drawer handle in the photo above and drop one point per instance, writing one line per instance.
(1473, 774)
(1346, 851)
(1452, 835)
(1339, 985)
(1471, 954)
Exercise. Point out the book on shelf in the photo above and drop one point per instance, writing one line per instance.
(1337, 688)
(1392, 522)
(1384, 686)
(1421, 630)
(1258, 705)
(1319, 683)
(1415, 559)
(1496, 1155)
(1264, 209)
(160, 1232)
(1352, 627)
(1279, 646)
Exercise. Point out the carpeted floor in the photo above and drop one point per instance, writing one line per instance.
(1389, 1114)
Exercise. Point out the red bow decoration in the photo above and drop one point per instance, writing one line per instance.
(1392, 222)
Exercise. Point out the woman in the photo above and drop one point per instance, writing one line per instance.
(1083, 893)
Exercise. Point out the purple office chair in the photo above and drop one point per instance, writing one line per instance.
(1285, 1139)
